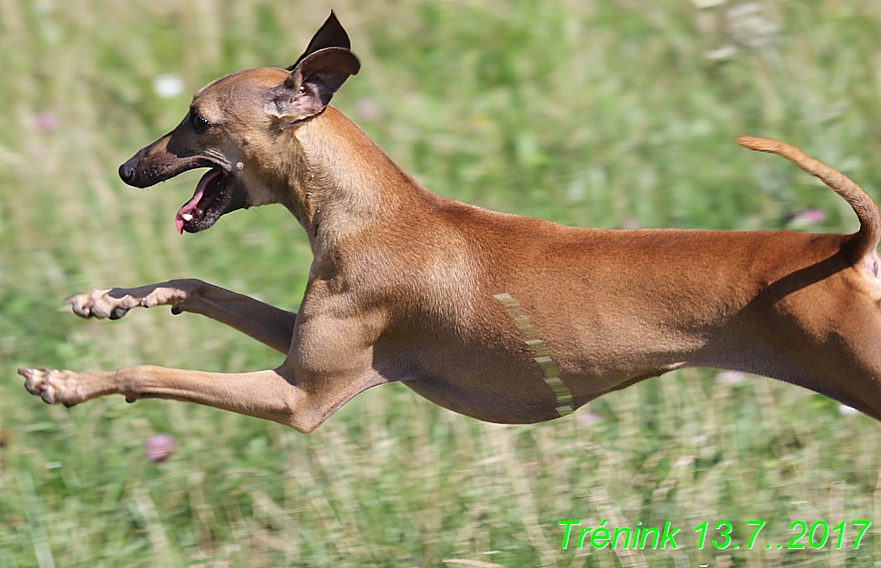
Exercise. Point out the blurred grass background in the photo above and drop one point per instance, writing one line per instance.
(606, 113)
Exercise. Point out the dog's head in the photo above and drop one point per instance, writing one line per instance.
(231, 122)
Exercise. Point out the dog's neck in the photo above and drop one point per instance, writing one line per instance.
(343, 183)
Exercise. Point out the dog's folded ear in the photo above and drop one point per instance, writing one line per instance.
(310, 86)
(316, 76)
(331, 34)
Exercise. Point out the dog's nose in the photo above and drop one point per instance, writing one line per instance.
(127, 171)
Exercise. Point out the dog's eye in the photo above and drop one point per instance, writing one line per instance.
(200, 125)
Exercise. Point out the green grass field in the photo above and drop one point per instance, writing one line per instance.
(586, 112)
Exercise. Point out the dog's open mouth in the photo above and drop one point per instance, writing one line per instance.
(204, 208)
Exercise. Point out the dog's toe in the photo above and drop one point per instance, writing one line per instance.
(34, 381)
(31, 386)
(80, 305)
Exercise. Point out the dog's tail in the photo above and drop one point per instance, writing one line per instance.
(865, 241)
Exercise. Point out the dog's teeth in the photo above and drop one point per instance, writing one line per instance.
(186, 217)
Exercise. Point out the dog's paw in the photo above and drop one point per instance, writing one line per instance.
(52, 386)
(102, 304)
(116, 302)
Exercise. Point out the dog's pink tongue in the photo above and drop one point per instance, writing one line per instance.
(190, 205)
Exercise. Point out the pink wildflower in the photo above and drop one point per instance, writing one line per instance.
(160, 448)
(45, 121)
(588, 418)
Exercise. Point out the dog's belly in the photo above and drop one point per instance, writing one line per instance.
(522, 398)
(491, 405)
(497, 377)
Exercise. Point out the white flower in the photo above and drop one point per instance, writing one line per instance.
(847, 410)
(168, 85)
(730, 377)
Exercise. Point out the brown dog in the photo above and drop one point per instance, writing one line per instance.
(503, 318)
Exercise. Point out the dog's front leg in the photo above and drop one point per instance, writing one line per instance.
(331, 360)
(267, 324)
(271, 395)
(302, 403)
